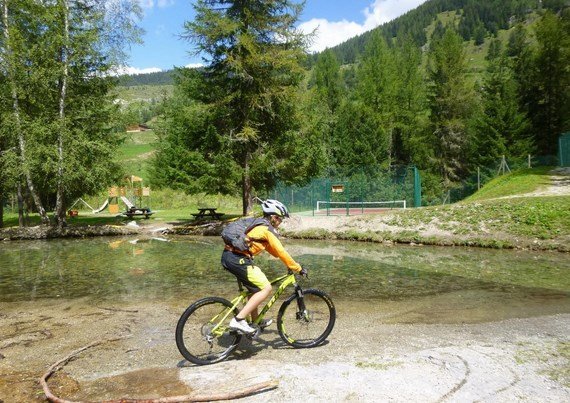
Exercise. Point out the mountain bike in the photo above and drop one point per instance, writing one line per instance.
(305, 319)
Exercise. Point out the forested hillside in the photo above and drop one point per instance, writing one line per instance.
(453, 88)
(450, 87)
(157, 78)
(478, 19)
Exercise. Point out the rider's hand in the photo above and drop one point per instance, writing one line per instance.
(304, 272)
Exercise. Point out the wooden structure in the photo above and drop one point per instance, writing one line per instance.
(204, 212)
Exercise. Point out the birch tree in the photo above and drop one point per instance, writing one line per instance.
(57, 59)
(12, 51)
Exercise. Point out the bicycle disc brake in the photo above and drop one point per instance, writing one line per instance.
(304, 315)
(207, 333)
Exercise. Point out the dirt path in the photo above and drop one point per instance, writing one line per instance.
(370, 356)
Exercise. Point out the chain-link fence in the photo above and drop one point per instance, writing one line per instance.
(370, 191)
(564, 150)
(483, 175)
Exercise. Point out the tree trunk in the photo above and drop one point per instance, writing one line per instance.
(247, 199)
(1, 210)
(16, 111)
(20, 206)
(60, 198)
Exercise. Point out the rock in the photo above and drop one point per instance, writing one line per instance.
(46, 232)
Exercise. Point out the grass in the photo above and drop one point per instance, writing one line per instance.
(134, 155)
(133, 151)
(515, 183)
(553, 358)
(485, 219)
(144, 92)
(528, 222)
(169, 206)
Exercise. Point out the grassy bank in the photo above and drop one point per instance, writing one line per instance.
(531, 223)
(168, 206)
(483, 220)
(501, 215)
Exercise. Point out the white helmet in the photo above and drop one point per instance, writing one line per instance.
(270, 207)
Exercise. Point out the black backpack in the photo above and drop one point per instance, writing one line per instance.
(234, 234)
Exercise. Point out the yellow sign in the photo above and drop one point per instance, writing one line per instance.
(338, 188)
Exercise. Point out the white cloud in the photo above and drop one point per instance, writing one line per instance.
(382, 11)
(194, 65)
(146, 3)
(164, 3)
(149, 4)
(331, 33)
(134, 70)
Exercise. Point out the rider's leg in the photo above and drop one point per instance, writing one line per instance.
(253, 302)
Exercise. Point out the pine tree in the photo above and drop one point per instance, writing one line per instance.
(360, 142)
(409, 102)
(550, 103)
(450, 100)
(328, 80)
(502, 129)
(377, 90)
(191, 155)
(323, 102)
(253, 53)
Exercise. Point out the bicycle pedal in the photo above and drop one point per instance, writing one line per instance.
(253, 335)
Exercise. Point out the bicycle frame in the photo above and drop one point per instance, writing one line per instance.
(285, 280)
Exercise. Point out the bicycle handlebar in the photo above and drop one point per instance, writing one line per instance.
(302, 273)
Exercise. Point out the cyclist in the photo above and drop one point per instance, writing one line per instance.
(239, 263)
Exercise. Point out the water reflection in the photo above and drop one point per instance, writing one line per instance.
(190, 267)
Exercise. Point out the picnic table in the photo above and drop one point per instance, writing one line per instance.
(134, 212)
(204, 212)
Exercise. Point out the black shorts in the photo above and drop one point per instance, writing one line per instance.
(243, 268)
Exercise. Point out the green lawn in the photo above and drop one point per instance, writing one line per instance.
(136, 152)
(144, 92)
(168, 206)
(515, 183)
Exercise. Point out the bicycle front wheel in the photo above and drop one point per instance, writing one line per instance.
(202, 333)
(306, 321)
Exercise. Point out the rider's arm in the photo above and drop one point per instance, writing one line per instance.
(274, 246)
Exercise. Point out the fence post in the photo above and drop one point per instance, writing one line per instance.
(417, 188)
(529, 164)
(478, 178)
(347, 201)
(504, 167)
(313, 196)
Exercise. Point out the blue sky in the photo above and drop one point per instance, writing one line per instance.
(335, 21)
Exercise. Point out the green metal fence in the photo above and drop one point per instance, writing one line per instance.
(481, 175)
(370, 191)
(564, 150)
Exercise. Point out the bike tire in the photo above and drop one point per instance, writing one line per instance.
(194, 339)
(303, 330)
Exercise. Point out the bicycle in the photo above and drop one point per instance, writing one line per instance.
(203, 335)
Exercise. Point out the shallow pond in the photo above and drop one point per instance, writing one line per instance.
(441, 283)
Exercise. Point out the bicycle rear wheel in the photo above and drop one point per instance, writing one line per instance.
(307, 322)
(202, 335)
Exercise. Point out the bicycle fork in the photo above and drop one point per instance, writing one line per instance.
(302, 310)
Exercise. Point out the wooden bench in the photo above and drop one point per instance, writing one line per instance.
(208, 212)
